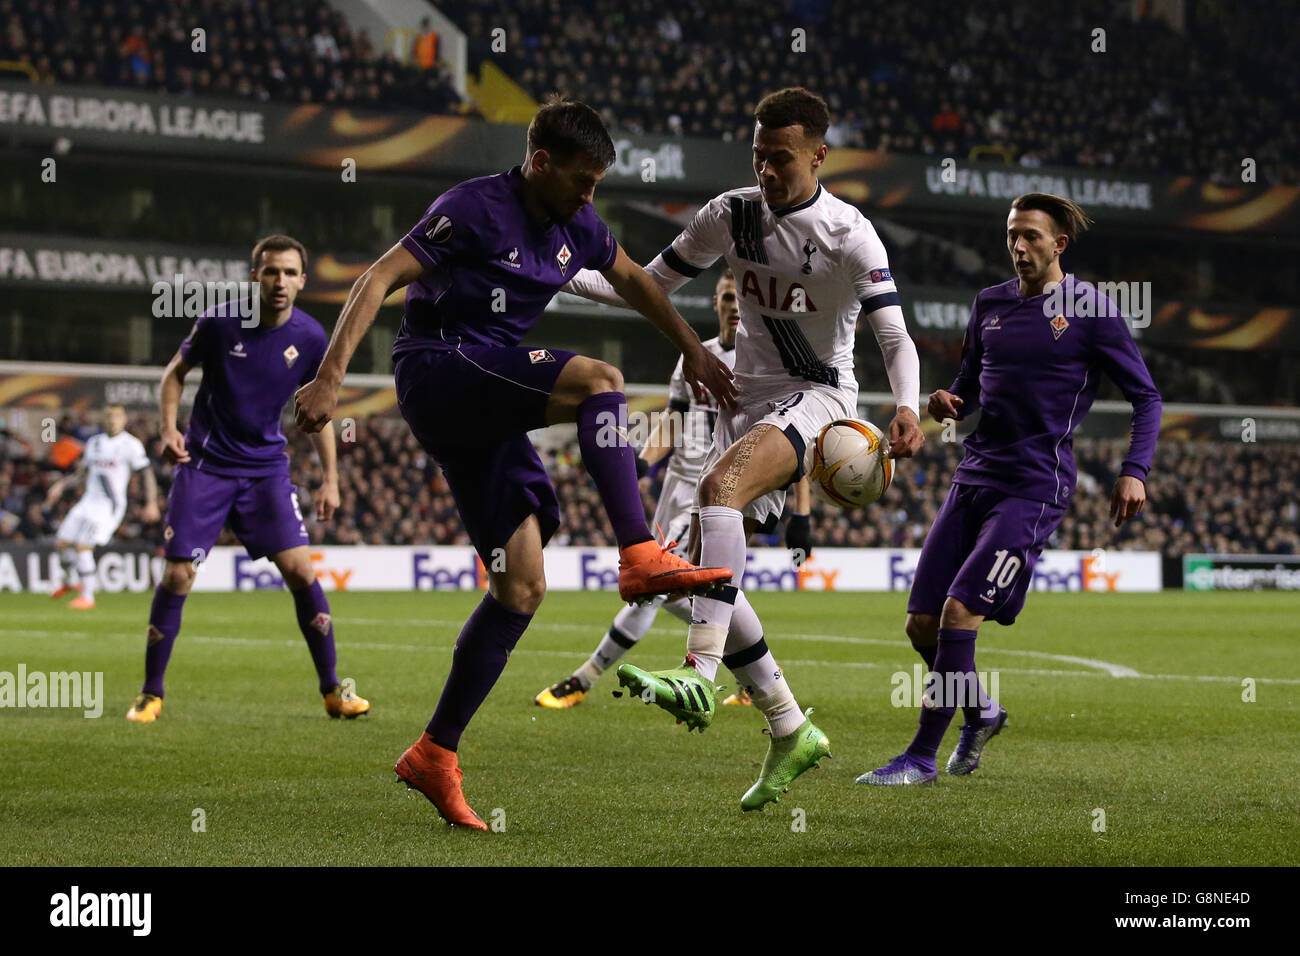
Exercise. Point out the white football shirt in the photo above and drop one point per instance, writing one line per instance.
(109, 462)
(698, 417)
(804, 274)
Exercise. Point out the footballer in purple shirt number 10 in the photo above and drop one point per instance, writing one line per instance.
(1032, 360)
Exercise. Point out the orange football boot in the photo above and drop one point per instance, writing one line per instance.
(81, 603)
(436, 773)
(647, 569)
(343, 701)
(145, 709)
(63, 590)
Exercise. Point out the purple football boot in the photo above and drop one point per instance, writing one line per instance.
(904, 770)
(966, 757)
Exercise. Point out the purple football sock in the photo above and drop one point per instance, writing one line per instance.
(318, 628)
(611, 461)
(954, 665)
(164, 625)
(478, 659)
(983, 712)
(927, 654)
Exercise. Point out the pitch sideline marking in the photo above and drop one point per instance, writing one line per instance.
(1103, 668)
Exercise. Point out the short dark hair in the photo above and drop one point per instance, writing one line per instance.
(278, 243)
(795, 106)
(566, 129)
(1066, 213)
(727, 274)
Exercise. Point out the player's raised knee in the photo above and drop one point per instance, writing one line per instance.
(711, 489)
(602, 378)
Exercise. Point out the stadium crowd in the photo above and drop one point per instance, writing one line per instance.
(303, 52)
(1242, 498)
(919, 78)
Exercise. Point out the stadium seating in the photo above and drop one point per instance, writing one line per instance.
(1239, 500)
(894, 82)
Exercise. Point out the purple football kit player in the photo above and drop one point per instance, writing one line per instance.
(231, 465)
(480, 267)
(1035, 351)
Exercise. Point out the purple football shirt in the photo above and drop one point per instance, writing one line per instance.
(1036, 375)
(490, 268)
(248, 376)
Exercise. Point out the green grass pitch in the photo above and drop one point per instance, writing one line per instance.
(1185, 771)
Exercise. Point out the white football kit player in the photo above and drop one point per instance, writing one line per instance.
(672, 518)
(804, 275)
(109, 462)
(686, 464)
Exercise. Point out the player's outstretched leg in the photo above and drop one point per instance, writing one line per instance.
(85, 601)
(591, 393)
(164, 624)
(630, 625)
(71, 580)
(954, 679)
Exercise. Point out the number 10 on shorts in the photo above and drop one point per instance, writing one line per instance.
(1004, 569)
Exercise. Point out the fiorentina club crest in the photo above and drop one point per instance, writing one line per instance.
(321, 622)
(537, 356)
(563, 257)
(290, 356)
(1059, 325)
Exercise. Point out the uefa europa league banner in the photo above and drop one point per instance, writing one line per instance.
(95, 118)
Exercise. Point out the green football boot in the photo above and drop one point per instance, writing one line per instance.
(787, 757)
(683, 692)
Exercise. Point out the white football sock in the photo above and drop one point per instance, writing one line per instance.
(722, 544)
(680, 609)
(86, 568)
(630, 625)
(68, 559)
(757, 672)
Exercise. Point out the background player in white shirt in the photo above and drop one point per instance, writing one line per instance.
(107, 462)
(688, 447)
(808, 264)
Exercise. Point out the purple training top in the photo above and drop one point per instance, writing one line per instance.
(248, 376)
(491, 269)
(1036, 375)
